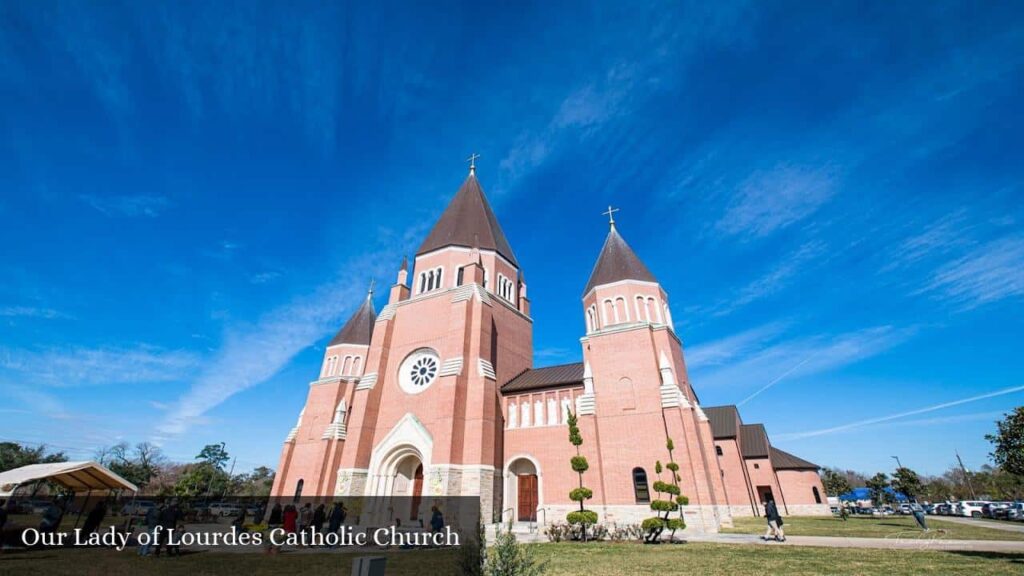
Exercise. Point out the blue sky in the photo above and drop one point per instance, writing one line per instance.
(194, 197)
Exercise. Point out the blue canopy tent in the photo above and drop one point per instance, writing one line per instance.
(865, 494)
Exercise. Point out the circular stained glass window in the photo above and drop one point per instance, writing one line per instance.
(419, 371)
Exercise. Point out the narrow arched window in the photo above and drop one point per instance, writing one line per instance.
(423, 282)
(718, 450)
(640, 489)
(620, 302)
(817, 495)
(524, 407)
(637, 304)
(590, 321)
(440, 277)
(298, 490)
(607, 309)
(346, 365)
(653, 305)
(513, 414)
(357, 364)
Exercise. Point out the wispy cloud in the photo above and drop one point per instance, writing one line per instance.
(31, 312)
(97, 366)
(774, 199)
(939, 238)
(771, 282)
(36, 401)
(989, 273)
(899, 415)
(719, 352)
(552, 354)
(127, 206)
(747, 364)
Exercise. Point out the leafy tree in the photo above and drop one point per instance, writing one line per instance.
(908, 482)
(14, 455)
(1008, 442)
(215, 455)
(835, 482)
(877, 485)
(663, 508)
(256, 483)
(582, 517)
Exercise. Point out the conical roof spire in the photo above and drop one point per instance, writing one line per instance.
(359, 328)
(617, 262)
(468, 218)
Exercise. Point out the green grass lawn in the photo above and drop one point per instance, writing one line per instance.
(602, 559)
(865, 527)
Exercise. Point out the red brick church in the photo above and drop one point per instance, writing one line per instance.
(438, 395)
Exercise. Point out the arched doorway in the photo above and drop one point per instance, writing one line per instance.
(407, 487)
(522, 489)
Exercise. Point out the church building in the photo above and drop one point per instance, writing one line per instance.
(437, 395)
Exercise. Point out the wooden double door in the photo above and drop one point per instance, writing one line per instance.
(527, 498)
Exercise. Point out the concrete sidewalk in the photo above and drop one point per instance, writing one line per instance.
(982, 523)
(908, 541)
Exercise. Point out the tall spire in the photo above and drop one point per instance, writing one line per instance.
(468, 219)
(359, 328)
(617, 262)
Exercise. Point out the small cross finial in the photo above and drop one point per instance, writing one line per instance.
(472, 162)
(369, 293)
(610, 213)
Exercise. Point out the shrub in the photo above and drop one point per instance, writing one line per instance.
(583, 517)
(510, 558)
(626, 533)
(558, 531)
(652, 524)
(581, 494)
(579, 464)
(664, 507)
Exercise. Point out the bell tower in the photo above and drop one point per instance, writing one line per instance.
(635, 375)
(426, 418)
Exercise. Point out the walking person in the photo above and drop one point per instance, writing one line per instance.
(771, 513)
(319, 516)
(436, 519)
(289, 518)
(305, 517)
(918, 513)
(95, 517)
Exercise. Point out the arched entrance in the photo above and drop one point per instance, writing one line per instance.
(406, 487)
(522, 489)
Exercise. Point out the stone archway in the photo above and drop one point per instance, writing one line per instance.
(523, 489)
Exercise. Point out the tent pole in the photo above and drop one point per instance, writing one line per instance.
(82, 509)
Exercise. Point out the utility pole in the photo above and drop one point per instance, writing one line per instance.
(898, 465)
(967, 475)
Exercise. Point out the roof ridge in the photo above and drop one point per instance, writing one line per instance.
(468, 221)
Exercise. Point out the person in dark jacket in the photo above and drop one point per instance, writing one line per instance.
(335, 518)
(436, 519)
(275, 518)
(771, 513)
(169, 518)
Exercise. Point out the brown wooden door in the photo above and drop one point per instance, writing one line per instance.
(527, 498)
(417, 493)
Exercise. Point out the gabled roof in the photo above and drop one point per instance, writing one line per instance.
(754, 441)
(617, 262)
(724, 421)
(77, 476)
(467, 221)
(359, 327)
(548, 377)
(782, 460)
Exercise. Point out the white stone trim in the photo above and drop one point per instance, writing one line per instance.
(673, 397)
(620, 283)
(467, 251)
(367, 381)
(408, 436)
(367, 346)
(387, 312)
(585, 404)
(700, 413)
(485, 369)
(451, 367)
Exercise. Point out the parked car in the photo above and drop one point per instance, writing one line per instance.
(970, 508)
(998, 510)
(225, 509)
(904, 509)
(1015, 512)
(942, 509)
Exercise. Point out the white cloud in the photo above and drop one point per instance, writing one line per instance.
(127, 206)
(719, 352)
(74, 366)
(989, 273)
(741, 362)
(31, 312)
(774, 199)
(900, 415)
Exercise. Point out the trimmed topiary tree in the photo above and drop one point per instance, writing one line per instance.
(663, 518)
(581, 517)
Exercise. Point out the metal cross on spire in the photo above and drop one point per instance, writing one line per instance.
(610, 213)
(472, 162)
(369, 293)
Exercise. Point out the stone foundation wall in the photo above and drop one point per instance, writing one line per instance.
(699, 519)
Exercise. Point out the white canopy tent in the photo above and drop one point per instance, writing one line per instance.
(84, 476)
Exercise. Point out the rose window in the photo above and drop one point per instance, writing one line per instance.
(418, 371)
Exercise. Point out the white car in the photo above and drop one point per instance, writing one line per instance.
(225, 509)
(970, 508)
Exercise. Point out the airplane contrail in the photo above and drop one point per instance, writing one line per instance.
(870, 421)
(774, 382)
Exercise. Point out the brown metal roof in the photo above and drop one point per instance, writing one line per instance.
(467, 221)
(725, 421)
(359, 327)
(754, 441)
(782, 460)
(548, 377)
(617, 262)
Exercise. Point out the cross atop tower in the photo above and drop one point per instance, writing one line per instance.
(369, 293)
(472, 162)
(610, 213)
